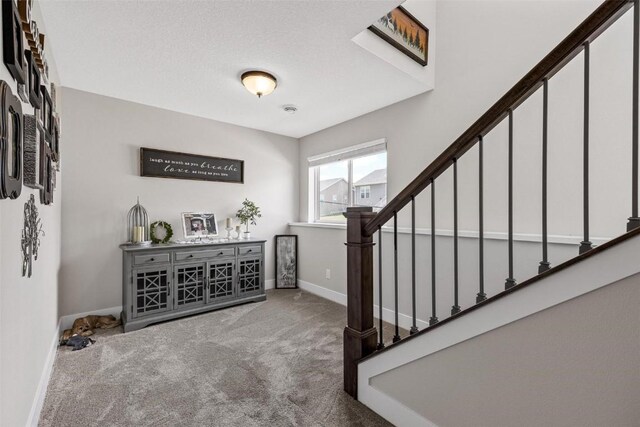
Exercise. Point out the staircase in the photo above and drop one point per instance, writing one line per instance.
(366, 353)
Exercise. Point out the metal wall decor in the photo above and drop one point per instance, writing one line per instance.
(12, 47)
(31, 232)
(33, 142)
(286, 261)
(10, 143)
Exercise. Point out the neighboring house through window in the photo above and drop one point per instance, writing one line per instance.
(365, 191)
(355, 176)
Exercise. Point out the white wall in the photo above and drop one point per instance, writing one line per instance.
(484, 47)
(102, 140)
(28, 306)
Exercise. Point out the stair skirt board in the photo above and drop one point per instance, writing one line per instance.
(608, 267)
(404, 320)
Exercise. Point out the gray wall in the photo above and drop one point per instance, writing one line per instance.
(481, 55)
(484, 47)
(102, 139)
(28, 306)
(575, 364)
(332, 256)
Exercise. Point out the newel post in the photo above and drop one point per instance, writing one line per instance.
(359, 335)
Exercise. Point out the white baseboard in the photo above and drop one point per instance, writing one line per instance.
(67, 321)
(41, 391)
(404, 321)
(323, 292)
(270, 284)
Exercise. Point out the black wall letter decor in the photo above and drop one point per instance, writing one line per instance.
(35, 98)
(12, 40)
(47, 172)
(10, 143)
(55, 138)
(46, 113)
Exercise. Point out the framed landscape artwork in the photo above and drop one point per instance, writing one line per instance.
(404, 32)
(286, 261)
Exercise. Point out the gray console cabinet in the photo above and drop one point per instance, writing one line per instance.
(163, 282)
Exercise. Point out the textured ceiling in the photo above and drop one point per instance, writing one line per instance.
(187, 56)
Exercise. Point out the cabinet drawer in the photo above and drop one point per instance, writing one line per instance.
(150, 259)
(217, 253)
(249, 250)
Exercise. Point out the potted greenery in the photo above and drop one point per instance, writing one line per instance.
(248, 214)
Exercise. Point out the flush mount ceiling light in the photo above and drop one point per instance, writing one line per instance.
(259, 82)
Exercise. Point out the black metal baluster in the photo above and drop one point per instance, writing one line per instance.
(434, 319)
(586, 245)
(634, 221)
(396, 337)
(544, 264)
(481, 296)
(456, 307)
(414, 328)
(510, 282)
(381, 343)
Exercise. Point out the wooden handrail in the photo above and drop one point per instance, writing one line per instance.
(587, 31)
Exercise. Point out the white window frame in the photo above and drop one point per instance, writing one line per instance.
(349, 154)
(365, 191)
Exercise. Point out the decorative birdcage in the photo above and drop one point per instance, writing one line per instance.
(138, 224)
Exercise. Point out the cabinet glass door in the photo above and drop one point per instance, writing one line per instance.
(249, 275)
(221, 280)
(151, 291)
(190, 284)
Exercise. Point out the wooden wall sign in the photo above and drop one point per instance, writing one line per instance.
(170, 164)
(10, 143)
(12, 48)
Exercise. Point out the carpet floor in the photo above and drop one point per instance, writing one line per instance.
(275, 363)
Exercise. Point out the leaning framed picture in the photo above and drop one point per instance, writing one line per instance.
(286, 261)
(198, 224)
(403, 31)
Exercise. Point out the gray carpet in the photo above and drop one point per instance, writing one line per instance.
(275, 363)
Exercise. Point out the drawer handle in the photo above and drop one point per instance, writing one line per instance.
(250, 250)
(190, 256)
(221, 253)
(152, 259)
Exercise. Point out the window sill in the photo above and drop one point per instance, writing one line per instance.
(330, 225)
(519, 237)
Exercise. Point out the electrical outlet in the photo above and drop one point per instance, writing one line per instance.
(327, 274)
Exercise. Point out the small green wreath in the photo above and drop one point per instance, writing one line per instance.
(168, 232)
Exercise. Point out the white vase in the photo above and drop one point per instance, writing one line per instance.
(246, 235)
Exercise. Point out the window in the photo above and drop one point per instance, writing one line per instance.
(365, 191)
(356, 176)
